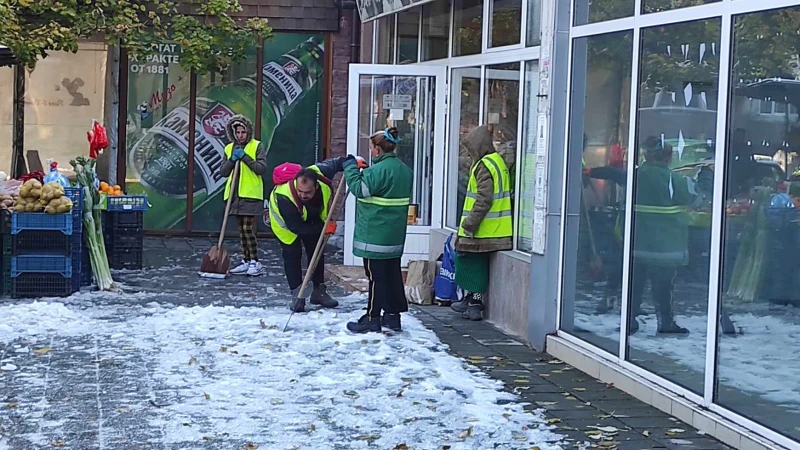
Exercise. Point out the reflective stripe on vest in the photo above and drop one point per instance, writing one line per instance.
(250, 185)
(497, 222)
(649, 209)
(381, 201)
(276, 222)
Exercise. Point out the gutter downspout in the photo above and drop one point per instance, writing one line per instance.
(355, 23)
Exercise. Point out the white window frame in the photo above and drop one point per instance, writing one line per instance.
(724, 9)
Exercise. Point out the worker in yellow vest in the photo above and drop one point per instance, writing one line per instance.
(486, 222)
(297, 213)
(248, 194)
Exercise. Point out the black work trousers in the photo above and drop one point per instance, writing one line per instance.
(386, 289)
(662, 282)
(292, 259)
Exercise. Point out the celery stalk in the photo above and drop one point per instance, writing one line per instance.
(92, 223)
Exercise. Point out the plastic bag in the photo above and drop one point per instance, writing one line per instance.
(98, 140)
(444, 285)
(55, 175)
(285, 173)
(419, 282)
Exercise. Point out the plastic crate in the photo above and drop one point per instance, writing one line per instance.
(6, 274)
(123, 219)
(59, 264)
(30, 285)
(41, 222)
(42, 242)
(6, 244)
(76, 195)
(126, 203)
(5, 221)
(125, 241)
(130, 259)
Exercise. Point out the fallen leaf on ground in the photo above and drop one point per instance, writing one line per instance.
(646, 433)
(580, 389)
(400, 447)
(223, 349)
(605, 429)
(193, 361)
(352, 394)
(554, 421)
(208, 397)
(58, 444)
(208, 438)
(249, 446)
(123, 410)
(555, 361)
(368, 437)
(43, 351)
(313, 427)
(12, 405)
(465, 434)
(263, 325)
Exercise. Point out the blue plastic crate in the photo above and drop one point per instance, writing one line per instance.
(41, 222)
(127, 203)
(34, 285)
(59, 264)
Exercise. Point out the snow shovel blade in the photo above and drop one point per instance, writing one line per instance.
(215, 261)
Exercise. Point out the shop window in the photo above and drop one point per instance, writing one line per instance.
(435, 30)
(504, 24)
(757, 371)
(651, 6)
(596, 181)
(465, 117)
(528, 168)
(408, 36)
(62, 96)
(157, 133)
(468, 27)
(671, 235)
(501, 113)
(386, 41)
(591, 11)
(534, 33)
(6, 118)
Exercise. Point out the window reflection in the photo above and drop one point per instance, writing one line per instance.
(672, 199)
(591, 11)
(599, 112)
(467, 39)
(386, 40)
(504, 28)
(408, 36)
(651, 6)
(465, 111)
(435, 30)
(501, 112)
(758, 350)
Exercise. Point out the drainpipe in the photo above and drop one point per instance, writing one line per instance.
(355, 23)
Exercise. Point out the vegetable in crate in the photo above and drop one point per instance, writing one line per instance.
(30, 197)
(52, 190)
(59, 205)
(92, 222)
(6, 201)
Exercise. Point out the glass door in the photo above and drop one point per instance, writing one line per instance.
(412, 99)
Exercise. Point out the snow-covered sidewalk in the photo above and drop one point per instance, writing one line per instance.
(83, 374)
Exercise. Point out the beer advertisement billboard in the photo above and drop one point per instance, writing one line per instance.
(159, 120)
(373, 9)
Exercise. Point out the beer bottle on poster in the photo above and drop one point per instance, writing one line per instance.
(160, 158)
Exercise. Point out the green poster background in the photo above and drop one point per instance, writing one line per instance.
(296, 139)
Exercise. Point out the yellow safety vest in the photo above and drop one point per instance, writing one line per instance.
(251, 185)
(276, 221)
(498, 221)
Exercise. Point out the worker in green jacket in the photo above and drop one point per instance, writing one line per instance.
(383, 194)
(661, 233)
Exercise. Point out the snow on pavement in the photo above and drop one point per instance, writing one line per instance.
(114, 376)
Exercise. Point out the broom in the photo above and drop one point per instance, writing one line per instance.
(216, 262)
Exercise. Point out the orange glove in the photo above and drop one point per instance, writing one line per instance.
(362, 163)
(330, 228)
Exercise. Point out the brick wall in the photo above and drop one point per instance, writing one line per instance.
(341, 61)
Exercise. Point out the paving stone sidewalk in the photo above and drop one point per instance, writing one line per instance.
(574, 401)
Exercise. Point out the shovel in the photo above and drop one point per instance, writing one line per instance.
(596, 265)
(216, 262)
(305, 289)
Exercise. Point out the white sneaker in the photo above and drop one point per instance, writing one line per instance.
(254, 268)
(241, 269)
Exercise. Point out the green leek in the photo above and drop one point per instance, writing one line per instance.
(92, 222)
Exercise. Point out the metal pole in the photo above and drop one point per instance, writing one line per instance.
(18, 167)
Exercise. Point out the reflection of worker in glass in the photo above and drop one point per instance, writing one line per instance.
(615, 172)
(660, 241)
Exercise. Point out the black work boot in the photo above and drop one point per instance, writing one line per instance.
(365, 324)
(391, 321)
(298, 303)
(474, 311)
(321, 297)
(667, 325)
(633, 326)
(461, 307)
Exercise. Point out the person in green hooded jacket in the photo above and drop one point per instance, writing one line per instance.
(383, 194)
